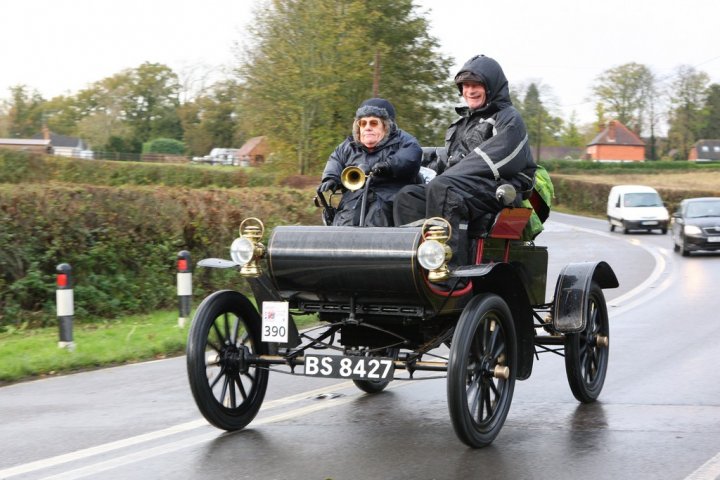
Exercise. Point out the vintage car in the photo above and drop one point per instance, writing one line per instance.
(389, 307)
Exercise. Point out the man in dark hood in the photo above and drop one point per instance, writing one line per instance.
(486, 147)
(391, 155)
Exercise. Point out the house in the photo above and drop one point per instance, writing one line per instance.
(616, 143)
(705, 151)
(64, 145)
(27, 145)
(254, 152)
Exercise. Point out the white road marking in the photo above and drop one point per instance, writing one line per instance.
(619, 303)
(183, 427)
(710, 470)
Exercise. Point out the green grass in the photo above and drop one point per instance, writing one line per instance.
(28, 354)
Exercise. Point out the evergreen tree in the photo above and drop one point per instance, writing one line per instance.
(314, 61)
(711, 114)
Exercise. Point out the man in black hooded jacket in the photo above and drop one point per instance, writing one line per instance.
(486, 147)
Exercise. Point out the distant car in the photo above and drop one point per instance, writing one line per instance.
(696, 225)
(636, 207)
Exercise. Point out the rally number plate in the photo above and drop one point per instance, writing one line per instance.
(355, 368)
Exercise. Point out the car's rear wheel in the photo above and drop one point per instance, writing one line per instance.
(587, 352)
(377, 386)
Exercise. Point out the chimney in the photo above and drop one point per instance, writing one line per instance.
(611, 131)
(45, 132)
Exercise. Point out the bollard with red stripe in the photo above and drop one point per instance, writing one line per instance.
(65, 304)
(184, 286)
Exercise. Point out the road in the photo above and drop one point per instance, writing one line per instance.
(657, 417)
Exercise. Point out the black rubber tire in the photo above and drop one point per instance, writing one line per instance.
(483, 339)
(685, 252)
(377, 386)
(228, 390)
(585, 361)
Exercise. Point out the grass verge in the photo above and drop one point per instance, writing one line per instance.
(29, 354)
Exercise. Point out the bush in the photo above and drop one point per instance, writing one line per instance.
(164, 145)
(122, 242)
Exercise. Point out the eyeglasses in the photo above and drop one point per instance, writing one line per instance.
(373, 122)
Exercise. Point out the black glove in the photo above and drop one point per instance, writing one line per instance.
(329, 184)
(382, 169)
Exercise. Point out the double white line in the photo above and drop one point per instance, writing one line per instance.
(120, 461)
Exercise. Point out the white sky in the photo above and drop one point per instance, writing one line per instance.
(61, 46)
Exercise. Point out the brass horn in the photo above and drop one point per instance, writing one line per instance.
(353, 178)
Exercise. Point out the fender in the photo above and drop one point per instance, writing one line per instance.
(571, 293)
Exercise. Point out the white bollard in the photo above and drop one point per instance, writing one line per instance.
(184, 286)
(65, 304)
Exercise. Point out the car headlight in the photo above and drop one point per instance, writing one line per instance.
(431, 254)
(242, 251)
(434, 253)
(692, 230)
(246, 250)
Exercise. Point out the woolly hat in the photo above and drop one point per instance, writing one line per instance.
(376, 107)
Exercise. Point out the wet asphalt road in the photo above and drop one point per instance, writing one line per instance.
(658, 416)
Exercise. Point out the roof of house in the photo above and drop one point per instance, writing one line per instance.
(24, 141)
(616, 134)
(250, 145)
(708, 149)
(62, 140)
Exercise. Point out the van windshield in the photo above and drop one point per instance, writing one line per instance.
(649, 199)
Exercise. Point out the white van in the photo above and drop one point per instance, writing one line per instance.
(636, 207)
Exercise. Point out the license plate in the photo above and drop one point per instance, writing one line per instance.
(650, 222)
(355, 368)
(713, 239)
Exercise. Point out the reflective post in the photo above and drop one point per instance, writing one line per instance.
(184, 286)
(65, 306)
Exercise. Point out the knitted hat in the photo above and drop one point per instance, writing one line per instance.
(376, 107)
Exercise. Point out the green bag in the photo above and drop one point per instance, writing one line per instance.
(539, 201)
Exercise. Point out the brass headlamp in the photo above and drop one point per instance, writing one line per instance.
(246, 250)
(434, 253)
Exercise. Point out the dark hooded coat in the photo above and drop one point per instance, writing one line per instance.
(485, 148)
(400, 150)
(490, 142)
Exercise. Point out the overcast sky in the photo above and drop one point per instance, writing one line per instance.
(61, 46)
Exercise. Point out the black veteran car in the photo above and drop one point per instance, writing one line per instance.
(696, 225)
(390, 308)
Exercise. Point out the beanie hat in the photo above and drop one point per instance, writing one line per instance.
(376, 107)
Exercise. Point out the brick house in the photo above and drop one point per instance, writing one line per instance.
(253, 152)
(616, 143)
(705, 151)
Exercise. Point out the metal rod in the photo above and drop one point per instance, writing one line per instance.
(363, 202)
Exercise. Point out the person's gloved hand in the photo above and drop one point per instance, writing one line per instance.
(382, 169)
(329, 184)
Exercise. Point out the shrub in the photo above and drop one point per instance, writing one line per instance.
(164, 145)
